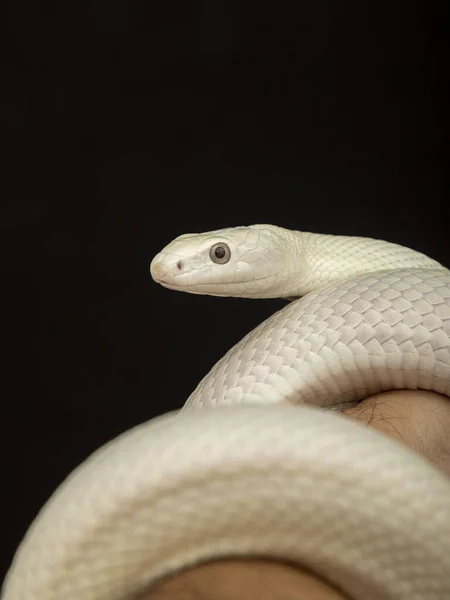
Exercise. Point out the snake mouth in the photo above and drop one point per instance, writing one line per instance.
(160, 279)
(168, 284)
(158, 273)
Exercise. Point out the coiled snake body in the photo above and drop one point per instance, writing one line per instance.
(267, 474)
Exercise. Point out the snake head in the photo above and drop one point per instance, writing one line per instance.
(239, 261)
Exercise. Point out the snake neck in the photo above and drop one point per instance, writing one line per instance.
(314, 260)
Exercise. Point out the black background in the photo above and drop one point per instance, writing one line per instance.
(126, 123)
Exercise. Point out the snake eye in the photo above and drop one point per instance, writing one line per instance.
(220, 253)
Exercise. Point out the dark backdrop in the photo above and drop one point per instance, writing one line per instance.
(127, 123)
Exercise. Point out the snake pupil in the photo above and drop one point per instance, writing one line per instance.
(219, 252)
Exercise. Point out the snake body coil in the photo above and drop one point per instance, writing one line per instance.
(257, 472)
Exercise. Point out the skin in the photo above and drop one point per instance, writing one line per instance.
(420, 420)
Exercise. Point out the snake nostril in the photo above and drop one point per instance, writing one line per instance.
(179, 265)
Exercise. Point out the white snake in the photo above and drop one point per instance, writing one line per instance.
(271, 476)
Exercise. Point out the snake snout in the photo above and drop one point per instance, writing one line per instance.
(157, 270)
